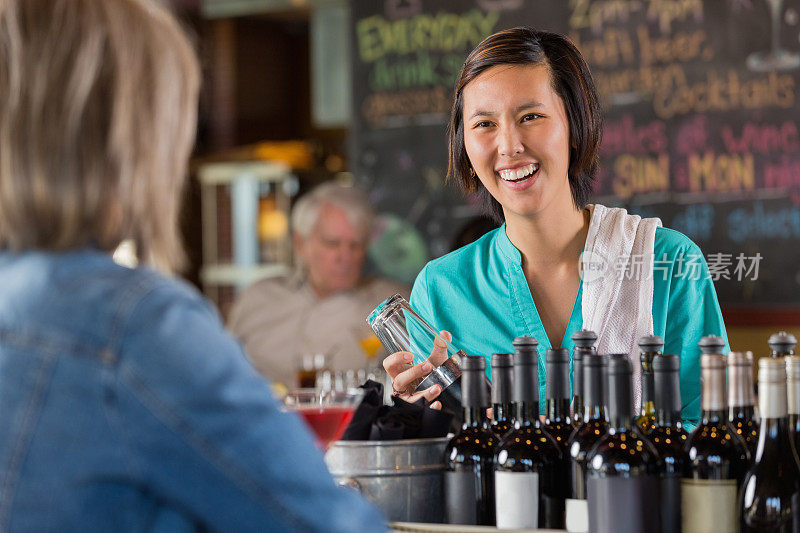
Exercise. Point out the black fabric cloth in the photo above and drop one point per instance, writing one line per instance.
(401, 420)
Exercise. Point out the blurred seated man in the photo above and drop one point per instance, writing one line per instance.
(322, 307)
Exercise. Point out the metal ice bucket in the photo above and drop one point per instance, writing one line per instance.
(403, 478)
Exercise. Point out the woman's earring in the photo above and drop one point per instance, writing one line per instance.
(471, 172)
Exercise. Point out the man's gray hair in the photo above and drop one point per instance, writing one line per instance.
(351, 200)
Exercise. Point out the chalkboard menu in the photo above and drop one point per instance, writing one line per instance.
(701, 113)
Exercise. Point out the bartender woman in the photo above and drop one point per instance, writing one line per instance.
(524, 134)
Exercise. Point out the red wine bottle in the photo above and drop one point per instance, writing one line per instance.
(557, 418)
(717, 460)
(741, 399)
(469, 456)
(622, 469)
(558, 422)
(502, 386)
(649, 347)
(669, 437)
(793, 395)
(771, 493)
(527, 476)
(584, 341)
(584, 438)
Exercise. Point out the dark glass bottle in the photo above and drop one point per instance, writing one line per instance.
(584, 341)
(502, 386)
(669, 438)
(469, 456)
(741, 399)
(649, 347)
(717, 460)
(622, 469)
(557, 418)
(528, 484)
(584, 438)
(793, 394)
(782, 344)
(770, 498)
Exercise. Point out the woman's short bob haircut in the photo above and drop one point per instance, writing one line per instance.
(571, 80)
(98, 108)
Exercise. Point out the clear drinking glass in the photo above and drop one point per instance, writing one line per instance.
(401, 329)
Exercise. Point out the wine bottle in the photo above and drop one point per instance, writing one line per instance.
(717, 460)
(782, 344)
(584, 438)
(793, 395)
(557, 419)
(528, 484)
(502, 385)
(622, 469)
(771, 494)
(741, 399)
(669, 438)
(469, 456)
(649, 347)
(584, 341)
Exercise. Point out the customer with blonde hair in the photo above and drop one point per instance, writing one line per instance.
(124, 404)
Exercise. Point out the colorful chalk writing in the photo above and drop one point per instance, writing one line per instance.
(761, 138)
(640, 174)
(597, 15)
(784, 173)
(444, 32)
(759, 222)
(710, 172)
(624, 136)
(696, 221)
(723, 92)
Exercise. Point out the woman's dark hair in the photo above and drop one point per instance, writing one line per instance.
(571, 80)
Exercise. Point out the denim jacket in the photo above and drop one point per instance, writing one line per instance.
(125, 406)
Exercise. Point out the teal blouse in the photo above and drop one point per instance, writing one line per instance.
(479, 294)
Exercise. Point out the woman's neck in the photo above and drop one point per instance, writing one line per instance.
(549, 239)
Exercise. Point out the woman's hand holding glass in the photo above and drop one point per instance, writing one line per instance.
(407, 376)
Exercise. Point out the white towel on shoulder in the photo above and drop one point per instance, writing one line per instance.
(618, 283)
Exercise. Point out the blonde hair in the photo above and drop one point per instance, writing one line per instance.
(98, 108)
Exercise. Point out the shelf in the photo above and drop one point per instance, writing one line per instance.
(229, 274)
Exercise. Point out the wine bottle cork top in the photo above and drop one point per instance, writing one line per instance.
(711, 344)
(525, 341)
(651, 343)
(584, 338)
(782, 341)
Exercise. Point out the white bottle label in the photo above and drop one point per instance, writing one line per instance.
(709, 505)
(517, 500)
(577, 516)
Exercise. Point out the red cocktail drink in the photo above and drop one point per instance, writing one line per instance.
(328, 423)
(327, 413)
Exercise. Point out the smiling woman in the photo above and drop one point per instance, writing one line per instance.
(524, 135)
